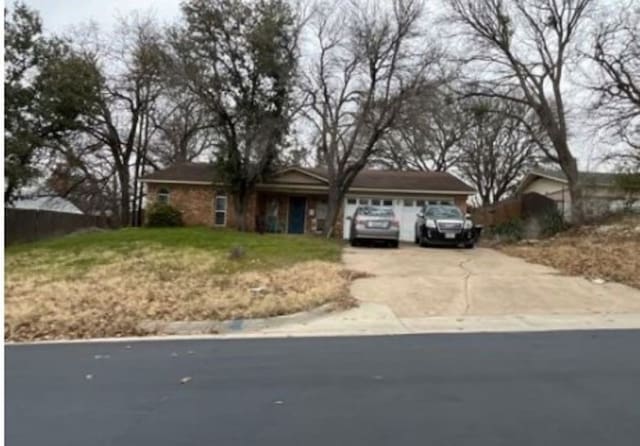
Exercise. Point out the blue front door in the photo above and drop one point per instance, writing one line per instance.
(297, 206)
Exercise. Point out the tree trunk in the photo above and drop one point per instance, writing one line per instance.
(570, 169)
(239, 207)
(333, 211)
(125, 213)
(577, 209)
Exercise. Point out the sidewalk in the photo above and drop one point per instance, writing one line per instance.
(378, 319)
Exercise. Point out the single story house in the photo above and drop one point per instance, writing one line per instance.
(601, 191)
(294, 200)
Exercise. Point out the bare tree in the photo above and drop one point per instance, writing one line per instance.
(427, 134)
(368, 64)
(616, 52)
(526, 45)
(131, 68)
(185, 131)
(497, 148)
(83, 172)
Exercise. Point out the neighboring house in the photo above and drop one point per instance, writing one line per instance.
(46, 203)
(294, 200)
(601, 191)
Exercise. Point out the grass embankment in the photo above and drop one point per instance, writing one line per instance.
(106, 283)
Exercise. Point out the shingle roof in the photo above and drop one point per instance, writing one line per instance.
(366, 179)
(404, 180)
(185, 172)
(586, 178)
(52, 203)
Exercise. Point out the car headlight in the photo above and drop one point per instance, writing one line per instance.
(468, 224)
(430, 223)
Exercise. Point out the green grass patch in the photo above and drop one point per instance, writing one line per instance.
(107, 283)
(77, 253)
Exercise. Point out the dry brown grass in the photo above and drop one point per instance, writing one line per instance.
(610, 251)
(112, 296)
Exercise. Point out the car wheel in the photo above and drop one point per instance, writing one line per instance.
(395, 244)
(469, 245)
(423, 240)
(416, 239)
(354, 242)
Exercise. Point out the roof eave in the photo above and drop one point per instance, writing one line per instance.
(159, 181)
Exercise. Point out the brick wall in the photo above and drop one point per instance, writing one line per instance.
(194, 201)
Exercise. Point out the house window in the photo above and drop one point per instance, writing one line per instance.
(273, 208)
(387, 202)
(351, 201)
(220, 209)
(408, 203)
(375, 202)
(163, 195)
(321, 215)
(419, 203)
(364, 201)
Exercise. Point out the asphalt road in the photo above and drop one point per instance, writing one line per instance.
(564, 388)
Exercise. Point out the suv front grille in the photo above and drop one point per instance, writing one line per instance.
(449, 226)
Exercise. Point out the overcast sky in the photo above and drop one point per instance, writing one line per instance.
(59, 15)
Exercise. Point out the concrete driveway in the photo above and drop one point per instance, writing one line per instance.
(419, 282)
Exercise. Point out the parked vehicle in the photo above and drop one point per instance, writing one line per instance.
(445, 225)
(374, 223)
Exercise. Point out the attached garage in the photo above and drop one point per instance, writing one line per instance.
(405, 208)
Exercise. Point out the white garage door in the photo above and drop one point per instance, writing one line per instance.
(408, 214)
(404, 208)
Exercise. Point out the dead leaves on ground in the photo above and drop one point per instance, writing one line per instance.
(113, 298)
(610, 252)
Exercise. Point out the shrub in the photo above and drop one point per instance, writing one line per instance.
(511, 230)
(162, 214)
(552, 222)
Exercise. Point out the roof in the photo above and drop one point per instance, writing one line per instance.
(593, 179)
(404, 180)
(188, 173)
(52, 203)
(369, 179)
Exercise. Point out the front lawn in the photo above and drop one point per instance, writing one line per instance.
(106, 283)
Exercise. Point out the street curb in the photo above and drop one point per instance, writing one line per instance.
(233, 325)
(456, 325)
(194, 330)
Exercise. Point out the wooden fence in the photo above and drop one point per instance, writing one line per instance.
(521, 207)
(27, 225)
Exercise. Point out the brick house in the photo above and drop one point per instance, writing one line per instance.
(294, 200)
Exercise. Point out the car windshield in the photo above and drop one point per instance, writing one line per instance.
(375, 212)
(443, 212)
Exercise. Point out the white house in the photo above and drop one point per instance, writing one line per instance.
(601, 191)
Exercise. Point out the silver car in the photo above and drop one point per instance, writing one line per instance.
(374, 223)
